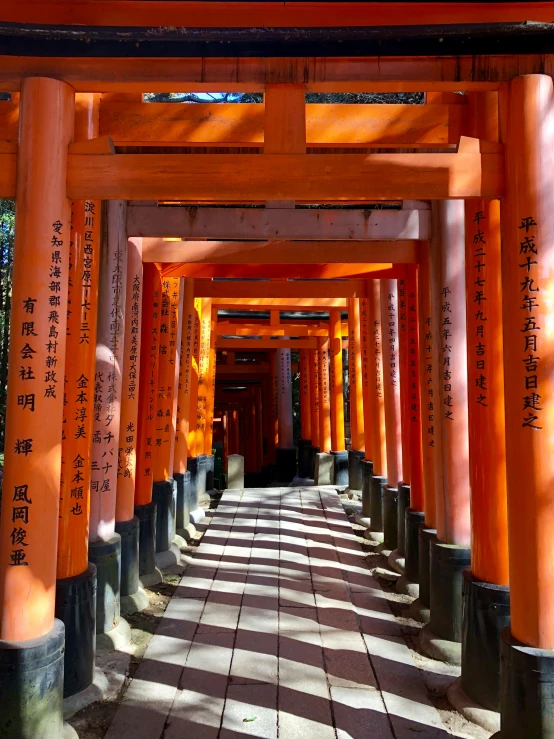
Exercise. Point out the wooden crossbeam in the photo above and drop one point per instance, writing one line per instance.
(224, 328)
(254, 178)
(277, 223)
(327, 125)
(280, 289)
(202, 14)
(265, 344)
(320, 74)
(280, 304)
(284, 271)
(280, 252)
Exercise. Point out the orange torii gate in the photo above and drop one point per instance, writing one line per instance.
(497, 147)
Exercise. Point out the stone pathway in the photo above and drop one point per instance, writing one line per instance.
(278, 630)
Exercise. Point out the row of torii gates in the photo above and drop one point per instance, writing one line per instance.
(451, 377)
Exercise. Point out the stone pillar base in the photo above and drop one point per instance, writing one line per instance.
(235, 472)
(148, 573)
(164, 495)
(106, 555)
(304, 458)
(367, 473)
(323, 474)
(31, 686)
(76, 608)
(486, 613)
(183, 526)
(390, 519)
(413, 520)
(526, 690)
(340, 468)
(132, 596)
(285, 465)
(355, 474)
(403, 505)
(375, 531)
(211, 489)
(488, 720)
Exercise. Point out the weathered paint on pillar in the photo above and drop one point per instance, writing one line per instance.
(32, 457)
(166, 409)
(128, 432)
(185, 370)
(391, 380)
(150, 339)
(305, 399)
(192, 443)
(376, 380)
(414, 419)
(528, 290)
(313, 372)
(324, 395)
(208, 441)
(428, 390)
(357, 420)
(367, 359)
(338, 442)
(109, 364)
(403, 375)
(73, 522)
(203, 374)
(284, 399)
(485, 370)
(274, 408)
(453, 508)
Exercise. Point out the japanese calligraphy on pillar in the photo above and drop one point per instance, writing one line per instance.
(324, 398)
(377, 354)
(364, 335)
(392, 338)
(446, 353)
(165, 388)
(430, 407)
(478, 300)
(529, 251)
(203, 371)
(152, 380)
(314, 359)
(188, 320)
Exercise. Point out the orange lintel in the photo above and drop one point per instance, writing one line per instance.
(198, 13)
(281, 304)
(265, 344)
(281, 289)
(401, 251)
(283, 271)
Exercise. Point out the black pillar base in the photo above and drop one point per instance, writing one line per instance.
(106, 555)
(355, 461)
(526, 690)
(182, 509)
(340, 467)
(285, 464)
(147, 538)
(76, 608)
(426, 537)
(129, 533)
(413, 521)
(164, 495)
(210, 476)
(304, 458)
(403, 505)
(447, 564)
(367, 474)
(486, 613)
(390, 518)
(376, 503)
(31, 686)
(197, 468)
(201, 480)
(313, 452)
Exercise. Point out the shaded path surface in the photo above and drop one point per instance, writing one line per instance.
(278, 630)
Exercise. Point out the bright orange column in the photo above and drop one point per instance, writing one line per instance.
(367, 359)
(185, 372)
(259, 427)
(305, 398)
(208, 441)
(428, 390)
(284, 399)
(192, 445)
(33, 439)
(453, 507)
(391, 380)
(149, 353)
(164, 438)
(357, 420)
(313, 371)
(108, 380)
(203, 388)
(414, 394)
(528, 289)
(376, 381)
(73, 522)
(338, 442)
(324, 395)
(403, 375)
(128, 432)
(274, 408)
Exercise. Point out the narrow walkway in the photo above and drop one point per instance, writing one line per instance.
(278, 630)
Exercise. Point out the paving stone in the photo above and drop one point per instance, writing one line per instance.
(250, 710)
(360, 714)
